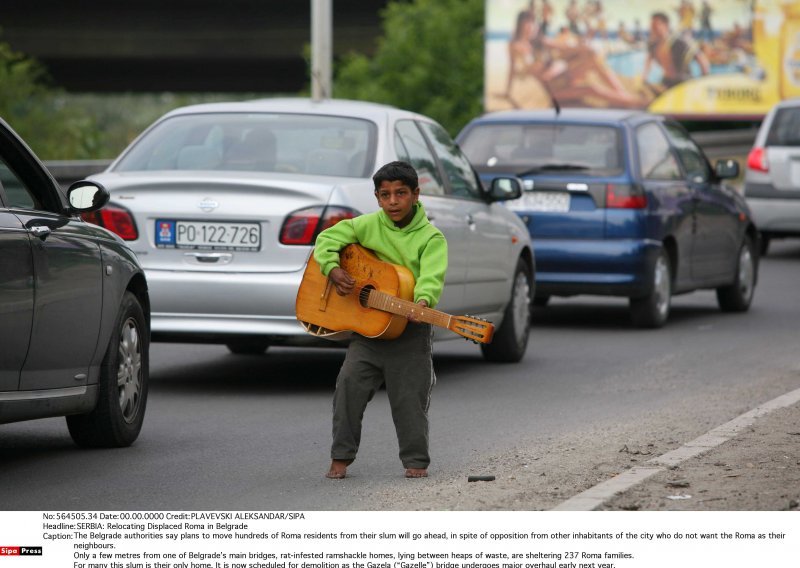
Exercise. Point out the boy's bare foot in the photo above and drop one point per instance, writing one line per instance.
(338, 469)
(415, 472)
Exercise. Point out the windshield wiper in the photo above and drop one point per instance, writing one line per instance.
(553, 167)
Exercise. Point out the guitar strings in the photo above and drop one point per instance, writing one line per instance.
(364, 292)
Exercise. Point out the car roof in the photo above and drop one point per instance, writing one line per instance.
(788, 103)
(600, 116)
(336, 107)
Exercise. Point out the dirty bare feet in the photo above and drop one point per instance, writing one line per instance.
(416, 472)
(338, 469)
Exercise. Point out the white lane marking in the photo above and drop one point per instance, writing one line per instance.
(595, 496)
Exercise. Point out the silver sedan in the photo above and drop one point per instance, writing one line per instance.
(222, 203)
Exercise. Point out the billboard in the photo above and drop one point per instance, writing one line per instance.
(696, 59)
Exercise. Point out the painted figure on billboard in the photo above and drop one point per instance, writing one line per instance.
(674, 53)
(561, 67)
(687, 58)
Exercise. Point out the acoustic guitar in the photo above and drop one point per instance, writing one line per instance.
(379, 305)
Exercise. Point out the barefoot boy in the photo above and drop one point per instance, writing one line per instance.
(399, 233)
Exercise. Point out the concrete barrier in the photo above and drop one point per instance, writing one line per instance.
(725, 143)
(67, 172)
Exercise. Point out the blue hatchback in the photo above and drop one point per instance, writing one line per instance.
(621, 203)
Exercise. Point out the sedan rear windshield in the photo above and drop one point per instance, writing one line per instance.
(785, 129)
(262, 142)
(527, 149)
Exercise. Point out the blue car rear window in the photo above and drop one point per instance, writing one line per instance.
(543, 148)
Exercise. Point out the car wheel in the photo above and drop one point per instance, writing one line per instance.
(737, 296)
(653, 310)
(247, 346)
(511, 338)
(122, 388)
(764, 246)
(540, 301)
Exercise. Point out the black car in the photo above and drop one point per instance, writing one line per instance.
(74, 309)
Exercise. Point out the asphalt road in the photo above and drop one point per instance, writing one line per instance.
(239, 432)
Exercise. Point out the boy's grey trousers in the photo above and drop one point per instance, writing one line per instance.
(404, 364)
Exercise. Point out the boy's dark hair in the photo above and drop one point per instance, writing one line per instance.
(396, 171)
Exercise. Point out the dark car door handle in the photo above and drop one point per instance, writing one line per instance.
(210, 257)
(41, 231)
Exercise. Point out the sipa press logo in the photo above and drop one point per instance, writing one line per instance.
(20, 550)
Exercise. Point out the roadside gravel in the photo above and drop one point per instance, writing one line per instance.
(757, 470)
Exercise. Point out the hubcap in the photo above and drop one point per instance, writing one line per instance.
(129, 373)
(521, 306)
(661, 286)
(746, 272)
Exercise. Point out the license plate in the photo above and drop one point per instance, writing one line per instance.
(208, 236)
(548, 201)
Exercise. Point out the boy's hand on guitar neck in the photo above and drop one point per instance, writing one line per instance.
(343, 282)
(415, 317)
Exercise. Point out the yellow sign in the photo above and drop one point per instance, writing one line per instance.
(686, 58)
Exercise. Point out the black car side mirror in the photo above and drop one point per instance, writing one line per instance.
(726, 169)
(84, 196)
(505, 189)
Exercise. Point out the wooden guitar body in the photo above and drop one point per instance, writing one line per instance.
(325, 313)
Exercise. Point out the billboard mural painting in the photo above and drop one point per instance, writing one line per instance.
(688, 58)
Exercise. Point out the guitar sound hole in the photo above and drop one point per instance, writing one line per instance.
(363, 295)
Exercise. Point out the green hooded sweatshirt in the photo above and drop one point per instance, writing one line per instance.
(419, 246)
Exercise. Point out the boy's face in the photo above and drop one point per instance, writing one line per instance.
(397, 201)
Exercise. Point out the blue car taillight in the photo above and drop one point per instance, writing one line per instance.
(625, 196)
(302, 226)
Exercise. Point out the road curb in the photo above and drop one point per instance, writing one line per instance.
(595, 496)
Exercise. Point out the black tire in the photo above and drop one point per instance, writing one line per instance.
(511, 338)
(738, 296)
(122, 388)
(652, 310)
(763, 246)
(249, 346)
(540, 301)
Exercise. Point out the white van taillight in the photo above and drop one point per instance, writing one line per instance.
(625, 196)
(303, 226)
(757, 160)
(116, 219)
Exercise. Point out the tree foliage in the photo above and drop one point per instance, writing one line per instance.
(38, 112)
(429, 60)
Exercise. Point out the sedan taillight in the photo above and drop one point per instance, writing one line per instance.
(116, 219)
(624, 196)
(757, 160)
(303, 226)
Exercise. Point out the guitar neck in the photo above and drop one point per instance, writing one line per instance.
(388, 303)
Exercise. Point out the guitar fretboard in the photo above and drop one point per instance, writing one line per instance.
(388, 303)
